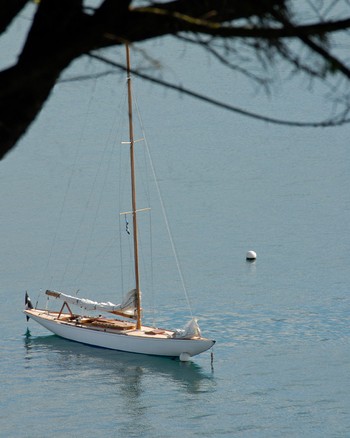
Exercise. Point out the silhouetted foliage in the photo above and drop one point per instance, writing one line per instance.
(250, 37)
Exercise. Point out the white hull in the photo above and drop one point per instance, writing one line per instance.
(132, 341)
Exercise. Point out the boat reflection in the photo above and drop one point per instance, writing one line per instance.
(118, 367)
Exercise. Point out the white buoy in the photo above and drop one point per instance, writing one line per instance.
(185, 357)
(251, 256)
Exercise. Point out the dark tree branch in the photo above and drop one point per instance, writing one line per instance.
(62, 31)
(334, 63)
(339, 119)
(9, 10)
(182, 23)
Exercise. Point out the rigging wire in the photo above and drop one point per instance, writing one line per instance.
(89, 240)
(145, 184)
(102, 190)
(83, 216)
(58, 224)
(167, 225)
(142, 183)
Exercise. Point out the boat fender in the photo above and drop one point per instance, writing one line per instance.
(185, 357)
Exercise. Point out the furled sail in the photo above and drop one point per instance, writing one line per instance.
(191, 330)
(126, 308)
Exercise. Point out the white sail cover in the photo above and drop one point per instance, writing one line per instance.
(191, 330)
(128, 306)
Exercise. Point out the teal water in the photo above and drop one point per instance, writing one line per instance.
(281, 361)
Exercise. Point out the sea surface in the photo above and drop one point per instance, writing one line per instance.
(280, 366)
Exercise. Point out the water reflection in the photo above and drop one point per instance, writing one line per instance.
(126, 369)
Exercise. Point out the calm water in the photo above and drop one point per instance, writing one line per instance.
(281, 362)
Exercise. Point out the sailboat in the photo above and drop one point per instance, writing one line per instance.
(122, 328)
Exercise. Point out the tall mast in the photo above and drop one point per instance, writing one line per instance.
(133, 192)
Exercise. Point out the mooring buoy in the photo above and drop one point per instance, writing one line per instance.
(251, 256)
